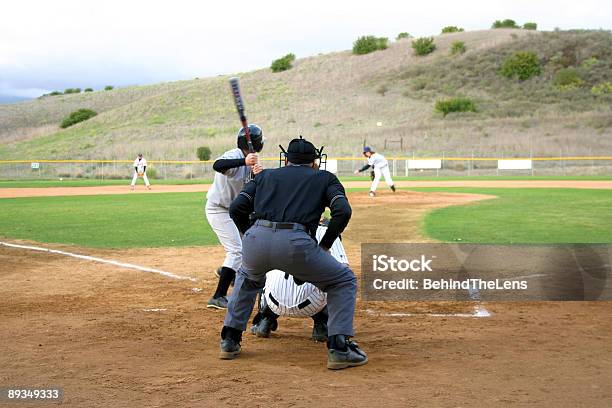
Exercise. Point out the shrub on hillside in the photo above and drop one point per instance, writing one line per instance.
(602, 89)
(108, 88)
(88, 90)
(446, 106)
(530, 26)
(151, 172)
(382, 90)
(522, 65)
(457, 47)
(283, 63)
(55, 93)
(72, 90)
(423, 45)
(507, 23)
(402, 35)
(76, 117)
(451, 29)
(368, 44)
(567, 78)
(203, 153)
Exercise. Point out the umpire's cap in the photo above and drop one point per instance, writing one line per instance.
(301, 151)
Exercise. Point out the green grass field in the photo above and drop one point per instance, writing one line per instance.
(525, 216)
(97, 182)
(177, 219)
(92, 182)
(115, 221)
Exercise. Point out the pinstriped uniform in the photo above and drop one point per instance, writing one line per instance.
(286, 298)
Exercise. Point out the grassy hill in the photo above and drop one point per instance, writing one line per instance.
(337, 99)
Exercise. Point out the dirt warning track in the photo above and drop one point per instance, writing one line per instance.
(194, 188)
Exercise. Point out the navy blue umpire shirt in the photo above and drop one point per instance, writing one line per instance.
(294, 193)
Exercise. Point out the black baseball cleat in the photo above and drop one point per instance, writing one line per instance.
(264, 327)
(319, 332)
(349, 356)
(230, 349)
(393, 188)
(217, 303)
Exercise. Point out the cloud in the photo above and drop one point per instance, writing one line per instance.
(68, 43)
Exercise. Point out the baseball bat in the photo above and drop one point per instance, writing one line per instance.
(235, 85)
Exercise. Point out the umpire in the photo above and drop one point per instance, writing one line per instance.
(286, 204)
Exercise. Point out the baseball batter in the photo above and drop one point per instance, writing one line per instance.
(232, 172)
(286, 205)
(381, 167)
(140, 170)
(283, 296)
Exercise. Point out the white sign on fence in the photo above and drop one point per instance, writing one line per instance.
(425, 164)
(35, 166)
(514, 164)
(332, 166)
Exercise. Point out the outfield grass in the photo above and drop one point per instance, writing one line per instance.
(115, 221)
(92, 182)
(525, 216)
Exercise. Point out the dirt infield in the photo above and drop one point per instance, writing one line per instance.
(117, 337)
(194, 188)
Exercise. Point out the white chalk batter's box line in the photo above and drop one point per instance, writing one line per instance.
(101, 260)
(478, 311)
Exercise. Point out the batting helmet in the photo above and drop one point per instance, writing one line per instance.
(257, 138)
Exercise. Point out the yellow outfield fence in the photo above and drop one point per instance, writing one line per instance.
(399, 166)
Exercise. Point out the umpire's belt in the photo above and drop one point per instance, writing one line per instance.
(281, 225)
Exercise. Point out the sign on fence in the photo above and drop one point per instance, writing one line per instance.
(425, 164)
(514, 164)
(332, 166)
(35, 166)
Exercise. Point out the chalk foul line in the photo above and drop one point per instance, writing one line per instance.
(479, 311)
(101, 260)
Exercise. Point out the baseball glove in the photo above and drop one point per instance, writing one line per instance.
(140, 174)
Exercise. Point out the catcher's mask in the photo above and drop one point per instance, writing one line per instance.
(301, 151)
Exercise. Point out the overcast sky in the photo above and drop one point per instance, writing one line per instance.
(55, 44)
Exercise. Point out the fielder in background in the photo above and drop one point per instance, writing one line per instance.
(283, 295)
(232, 172)
(140, 170)
(380, 165)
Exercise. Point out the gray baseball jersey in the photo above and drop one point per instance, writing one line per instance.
(227, 186)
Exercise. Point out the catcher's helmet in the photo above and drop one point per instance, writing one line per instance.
(257, 138)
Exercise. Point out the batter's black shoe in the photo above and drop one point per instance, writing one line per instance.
(319, 331)
(348, 356)
(217, 303)
(265, 326)
(393, 188)
(230, 349)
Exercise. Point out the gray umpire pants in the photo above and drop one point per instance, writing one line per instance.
(295, 252)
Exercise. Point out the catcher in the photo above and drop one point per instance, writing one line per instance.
(140, 170)
(284, 295)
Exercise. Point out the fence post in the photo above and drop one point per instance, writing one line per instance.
(406, 167)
